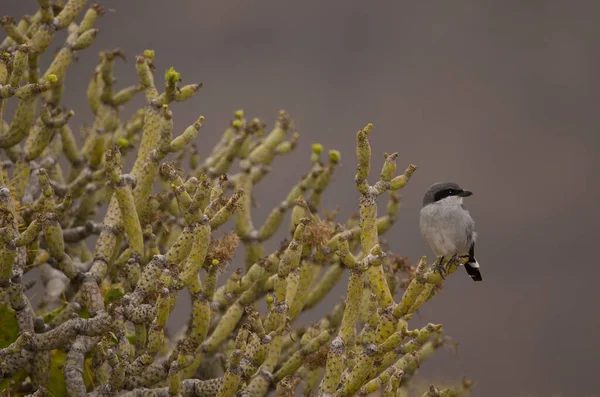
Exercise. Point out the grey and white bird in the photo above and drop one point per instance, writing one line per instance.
(447, 227)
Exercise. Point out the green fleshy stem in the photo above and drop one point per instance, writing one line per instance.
(68, 13)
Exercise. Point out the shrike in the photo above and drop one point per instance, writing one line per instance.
(447, 226)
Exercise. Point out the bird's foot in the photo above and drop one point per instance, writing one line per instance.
(439, 267)
(452, 259)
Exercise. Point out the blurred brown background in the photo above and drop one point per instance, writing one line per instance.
(499, 96)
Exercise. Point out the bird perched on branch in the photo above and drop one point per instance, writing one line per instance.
(447, 226)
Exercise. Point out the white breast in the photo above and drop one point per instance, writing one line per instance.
(447, 227)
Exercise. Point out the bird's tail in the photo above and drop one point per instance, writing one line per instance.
(472, 267)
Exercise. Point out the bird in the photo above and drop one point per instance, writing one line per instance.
(447, 226)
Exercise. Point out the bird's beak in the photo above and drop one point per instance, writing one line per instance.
(465, 193)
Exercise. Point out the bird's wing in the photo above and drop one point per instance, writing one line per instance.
(469, 227)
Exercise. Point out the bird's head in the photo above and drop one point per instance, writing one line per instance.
(445, 191)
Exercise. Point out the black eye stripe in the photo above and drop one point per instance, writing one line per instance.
(442, 194)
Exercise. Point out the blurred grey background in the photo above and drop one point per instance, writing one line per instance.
(499, 96)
